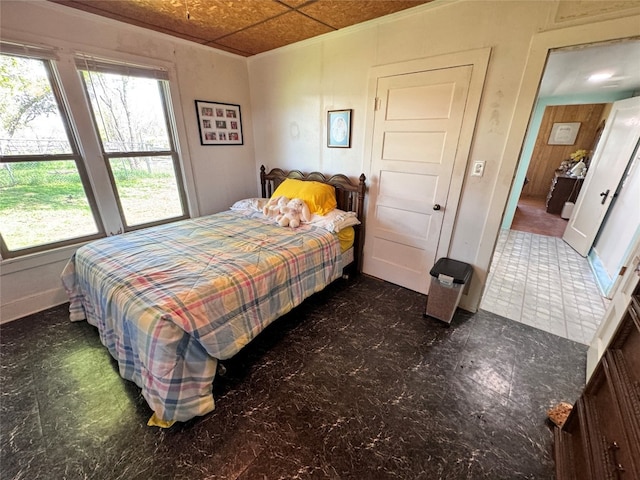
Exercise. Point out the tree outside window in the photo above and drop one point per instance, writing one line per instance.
(43, 200)
(129, 110)
(46, 196)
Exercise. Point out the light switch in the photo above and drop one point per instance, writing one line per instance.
(478, 168)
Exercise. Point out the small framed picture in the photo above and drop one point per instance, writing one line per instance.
(564, 133)
(339, 128)
(219, 123)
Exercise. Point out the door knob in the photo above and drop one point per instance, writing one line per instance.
(436, 206)
(604, 196)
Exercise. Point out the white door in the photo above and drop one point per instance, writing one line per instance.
(619, 229)
(616, 309)
(417, 126)
(617, 144)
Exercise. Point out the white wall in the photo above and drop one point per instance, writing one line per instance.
(216, 176)
(293, 87)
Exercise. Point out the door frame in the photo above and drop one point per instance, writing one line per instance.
(541, 44)
(615, 312)
(478, 59)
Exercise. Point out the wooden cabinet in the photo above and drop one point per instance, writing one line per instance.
(564, 188)
(601, 438)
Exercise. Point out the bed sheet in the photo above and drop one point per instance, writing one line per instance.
(172, 300)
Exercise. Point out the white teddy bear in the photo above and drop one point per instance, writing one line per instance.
(274, 206)
(294, 213)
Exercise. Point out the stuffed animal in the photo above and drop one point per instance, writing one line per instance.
(294, 213)
(274, 206)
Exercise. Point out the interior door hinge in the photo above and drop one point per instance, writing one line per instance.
(376, 104)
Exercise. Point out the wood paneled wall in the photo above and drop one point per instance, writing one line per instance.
(545, 158)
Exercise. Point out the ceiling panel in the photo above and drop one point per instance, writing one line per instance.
(343, 13)
(241, 26)
(274, 33)
(219, 18)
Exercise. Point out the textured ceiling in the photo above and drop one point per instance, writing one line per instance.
(244, 27)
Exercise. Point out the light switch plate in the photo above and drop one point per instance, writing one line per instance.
(478, 168)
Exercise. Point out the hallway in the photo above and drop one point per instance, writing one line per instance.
(531, 216)
(540, 281)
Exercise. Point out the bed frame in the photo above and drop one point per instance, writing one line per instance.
(349, 196)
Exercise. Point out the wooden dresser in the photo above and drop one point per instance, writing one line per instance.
(564, 188)
(601, 438)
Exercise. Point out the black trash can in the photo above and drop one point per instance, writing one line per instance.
(448, 279)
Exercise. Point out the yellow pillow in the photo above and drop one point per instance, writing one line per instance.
(319, 197)
(346, 236)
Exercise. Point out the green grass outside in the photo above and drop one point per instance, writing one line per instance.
(46, 203)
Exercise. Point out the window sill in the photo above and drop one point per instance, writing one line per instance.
(35, 260)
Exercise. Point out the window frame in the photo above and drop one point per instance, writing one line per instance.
(65, 116)
(90, 64)
(96, 177)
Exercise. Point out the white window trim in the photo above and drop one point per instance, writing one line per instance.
(84, 63)
(64, 54)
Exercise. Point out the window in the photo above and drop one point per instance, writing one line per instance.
(46, 194)
(45, 201)
(129, 107)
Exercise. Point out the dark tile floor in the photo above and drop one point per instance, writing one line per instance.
(354, 384)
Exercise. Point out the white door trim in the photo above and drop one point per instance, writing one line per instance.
(479, 60)
(541, 43)
(620, 298)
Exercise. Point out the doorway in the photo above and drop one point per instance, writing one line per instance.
(536, 278)
(554, 173)
(416, 136)
(418, 152)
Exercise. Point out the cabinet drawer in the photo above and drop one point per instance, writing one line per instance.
(608, 421)
(601, 438)
(627, 340)
(573, 460)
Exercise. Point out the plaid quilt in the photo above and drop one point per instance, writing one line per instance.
(172, 300)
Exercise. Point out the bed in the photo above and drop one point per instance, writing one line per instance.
(171, 301)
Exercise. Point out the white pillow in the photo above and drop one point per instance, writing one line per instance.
(252, 204)
(335, 220)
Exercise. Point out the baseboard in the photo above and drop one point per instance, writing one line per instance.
(32, 304)
(467, 305)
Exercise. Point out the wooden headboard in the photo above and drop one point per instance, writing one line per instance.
(349, 196)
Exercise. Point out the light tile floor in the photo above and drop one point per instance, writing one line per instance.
(542, 282)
